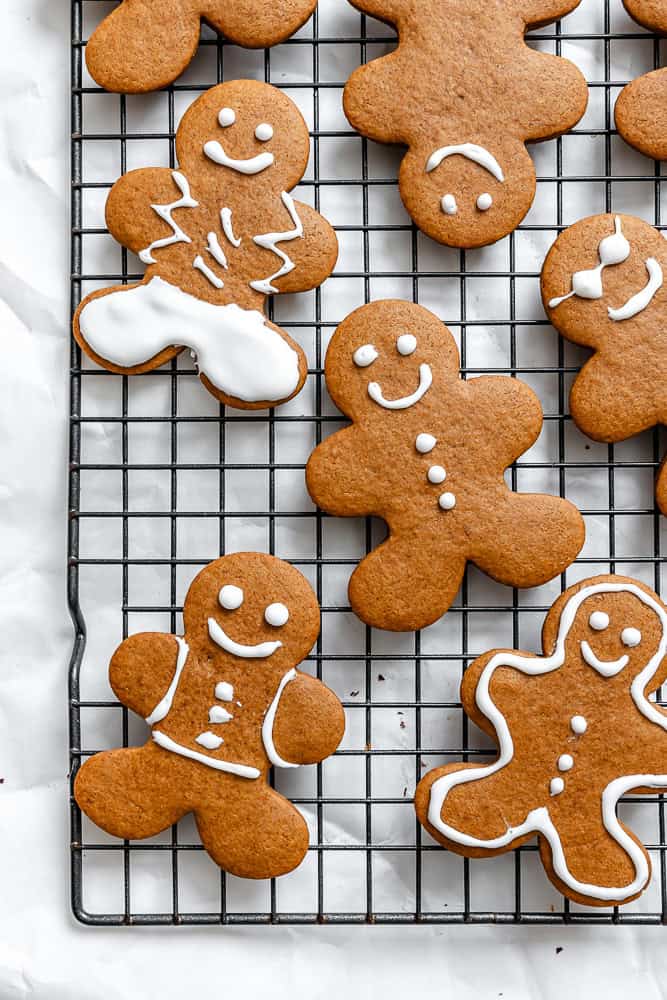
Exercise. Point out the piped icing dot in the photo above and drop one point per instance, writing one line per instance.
(425, 443)
(599, 620)
(230, 597)
(449, 205)
(436, 475)
(264, 132)
(224, 691)
(227, 117)
(557, 785)
(565, 762)
(631, 637)
(276, 615)
(217, 714)
(578, 725)
(209, 741)
(447, 501)
(365, 356)
(406, 344)
(484, 202)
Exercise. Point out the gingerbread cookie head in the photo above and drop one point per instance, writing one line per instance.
(576, 729)
(467, 179)
(641, 109)
(143, 45)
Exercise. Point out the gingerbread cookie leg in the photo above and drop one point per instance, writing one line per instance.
(253, 832)
(256, 25)
(612, 402)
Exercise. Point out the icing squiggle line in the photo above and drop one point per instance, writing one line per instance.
(267, 726)
(199, 265)
(220, 638)
(642, 299)
(425, 382)
(242, 770)
(165, 213)
(269, 241)
(253, 165)
(163, 707)
(471, 151)
(538, 821)
(226, 220)
(216, 251)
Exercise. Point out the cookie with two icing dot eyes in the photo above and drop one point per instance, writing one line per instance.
(218, 234)
(603, 286)
(575, 729)
(225, 703)
(641, 109)
(427, 452)
(144, 44)
(465, 93)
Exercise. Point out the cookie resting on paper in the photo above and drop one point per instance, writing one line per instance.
(575, 730)
(641, 109)
(603, 286)
(145, 44)
(427, 452)
(465, 93)
(218, 235)
(225, 703)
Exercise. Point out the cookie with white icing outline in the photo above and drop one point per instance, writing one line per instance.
(603, 286)
(641, 109)
(218, 235)
(575, 729)
(427, 453)
(465, 94)
(144, 44)
(225, 703)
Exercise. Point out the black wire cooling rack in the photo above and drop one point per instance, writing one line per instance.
(369, 860)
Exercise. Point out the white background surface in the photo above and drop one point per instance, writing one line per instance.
(43, 952)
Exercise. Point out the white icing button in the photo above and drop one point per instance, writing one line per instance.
(436, 475)
(599, 620)
(264, 132)
(447, 501)
(209, 741)
(578, 724)
(449, 205)
(484, 202)
(425, 443)
(406, 344)
(224, 691)
(217, 715)
(276, 615)
(227, 117)
(557, 785)
(565, 762)
(631, 637)
(230, 597)
(365, 356)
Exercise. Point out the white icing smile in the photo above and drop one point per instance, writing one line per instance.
(250, 166)
(259, 652)
(608, 668)
(642, 299)
(405, 402)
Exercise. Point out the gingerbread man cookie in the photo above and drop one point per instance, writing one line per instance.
(224, 703)
(603, 285)
(218, 235)
(427, 452)
(143, 45)
(575, 730)
(465, 93)
(641, 110)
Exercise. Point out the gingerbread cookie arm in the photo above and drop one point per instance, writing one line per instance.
(309, 723)
(661, 486)
(334, 478)
(143, 668)
(148, 209)
(537, 13)
(511, 412)
(257, 25)
(557, 104)
(611, 400)
(651, 13)
(138, 48)
(312, 256)
(641, 114)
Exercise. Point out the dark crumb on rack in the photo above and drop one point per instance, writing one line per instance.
(380, 677)
(402, 724)
(558, 951)
(354, 694)
(405, 791)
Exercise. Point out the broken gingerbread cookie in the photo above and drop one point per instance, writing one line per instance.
(427, 452)
(576, 728)
(465, 93)
(603, 286)
(225, 703)
(218, 235)
(143, 45)
(641, 109)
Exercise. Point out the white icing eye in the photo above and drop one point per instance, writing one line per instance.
(449, 205)
(436, 475)
(484, 202)
(365, 356)
(425, 443)
(599, 620)
(230, 597)
(276, 615)
(406, 344)
(264, 132)
(227, 117)
(631, 637)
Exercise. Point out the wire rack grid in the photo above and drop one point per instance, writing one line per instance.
(162, 480)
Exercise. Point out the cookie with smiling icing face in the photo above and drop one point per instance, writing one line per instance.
(143, 45)
(465, 94)
(575, 730)
(641, 110)
(225, 703)
(217, 235)
(603, 286)
(427, 452)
